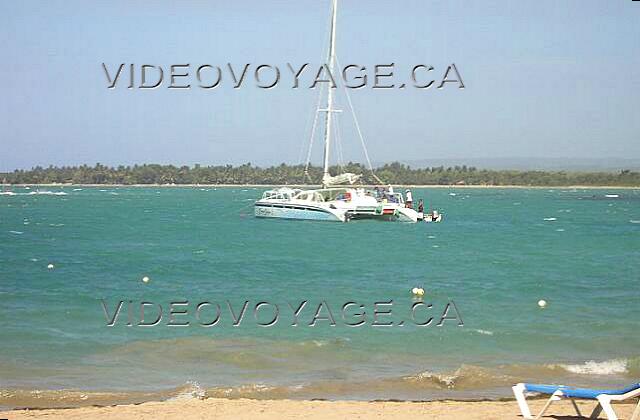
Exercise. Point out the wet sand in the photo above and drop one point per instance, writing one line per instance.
(218, 408)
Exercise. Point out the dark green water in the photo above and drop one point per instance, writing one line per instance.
(494, 255)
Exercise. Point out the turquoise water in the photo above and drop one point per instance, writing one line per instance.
(496, 254)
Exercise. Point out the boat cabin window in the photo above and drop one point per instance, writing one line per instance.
(277, 195)
(335, 194)
(310, 196)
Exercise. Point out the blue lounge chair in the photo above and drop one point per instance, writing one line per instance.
(603, 396)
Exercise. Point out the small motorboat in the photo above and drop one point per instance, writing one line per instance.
(432, 216)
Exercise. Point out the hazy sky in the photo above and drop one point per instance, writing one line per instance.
(543, 78)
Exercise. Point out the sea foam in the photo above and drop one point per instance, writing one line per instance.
(591, 367)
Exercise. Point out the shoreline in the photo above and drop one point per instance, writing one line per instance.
(221, 408)
(580, 187)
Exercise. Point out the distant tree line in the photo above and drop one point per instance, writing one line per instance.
(394, 173)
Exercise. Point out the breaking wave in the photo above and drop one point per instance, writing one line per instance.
(329, 368)
(45, 192)
(606, 367)
(192, 390)
(466, 382)
(483, 332)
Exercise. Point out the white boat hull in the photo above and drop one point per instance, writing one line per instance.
(387, 212)
(407, 215)
(332, 204)
(299, 212)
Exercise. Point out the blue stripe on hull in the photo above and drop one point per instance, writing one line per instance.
(298, 214)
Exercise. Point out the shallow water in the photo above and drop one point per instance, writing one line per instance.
(496, 254)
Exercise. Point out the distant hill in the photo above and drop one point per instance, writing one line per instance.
(529, 163)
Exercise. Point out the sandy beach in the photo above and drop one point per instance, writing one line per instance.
(216, 408)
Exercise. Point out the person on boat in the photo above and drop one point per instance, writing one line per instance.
(409, 199)
(420, 206)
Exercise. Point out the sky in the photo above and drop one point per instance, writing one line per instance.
(543, 78)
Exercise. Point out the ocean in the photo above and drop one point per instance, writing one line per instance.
(70, 255)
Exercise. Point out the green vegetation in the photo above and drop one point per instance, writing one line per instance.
(394, 173)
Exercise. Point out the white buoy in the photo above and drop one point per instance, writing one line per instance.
(145, 279)
(420, 291)
(50, 266)
(414, 290)
(542, 303)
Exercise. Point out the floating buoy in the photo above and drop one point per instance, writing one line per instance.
(542, 303)
(414, 290)
(50, 266)
(418, 291)
(145, 279)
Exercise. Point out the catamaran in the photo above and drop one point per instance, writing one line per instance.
(332, 202)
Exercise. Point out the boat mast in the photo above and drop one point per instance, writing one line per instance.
(331, 58)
